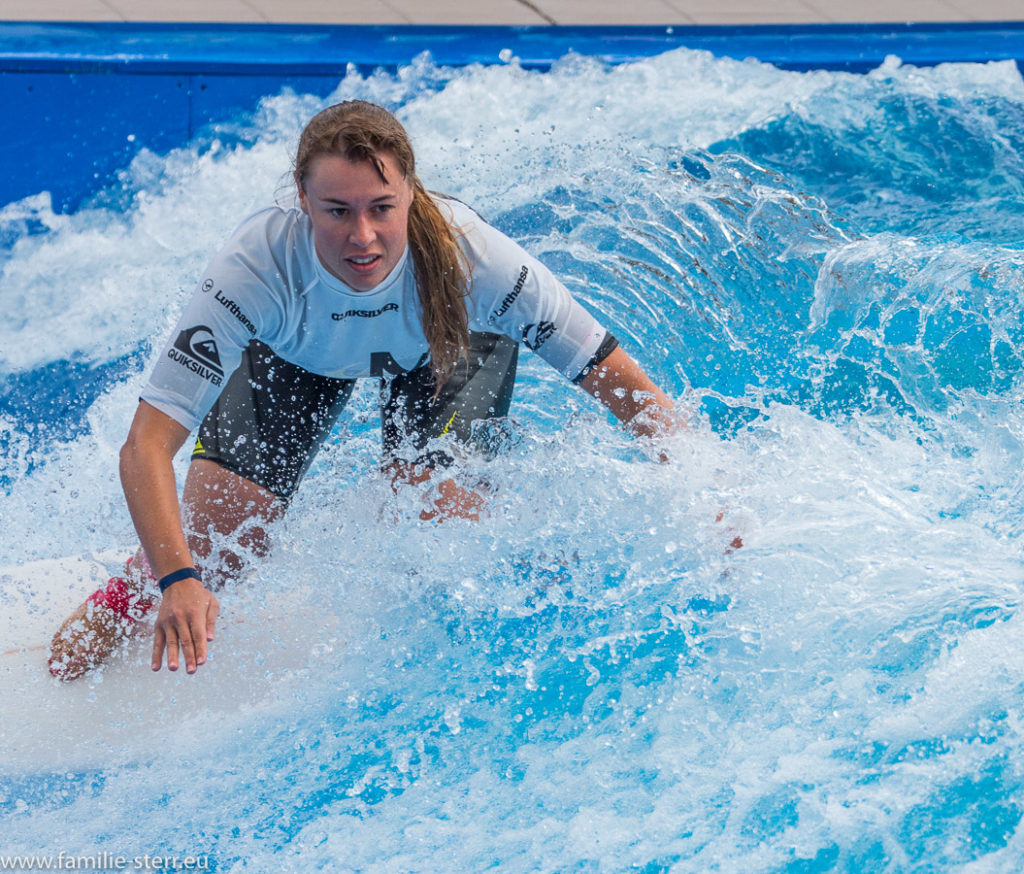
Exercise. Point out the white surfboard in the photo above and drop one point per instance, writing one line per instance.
(122, 711)
(35, 598)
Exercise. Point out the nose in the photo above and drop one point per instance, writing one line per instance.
(361, 232)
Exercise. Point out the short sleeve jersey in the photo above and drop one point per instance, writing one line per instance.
(268, 284)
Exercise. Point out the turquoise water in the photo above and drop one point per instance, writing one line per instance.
(824, 268)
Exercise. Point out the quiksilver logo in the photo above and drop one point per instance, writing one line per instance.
(196, 350)
(365, 314)
(510, 298)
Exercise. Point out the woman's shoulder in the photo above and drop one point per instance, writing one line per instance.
(483, 244)
(268, 224)
(478, 239)
(459, 214)
(272, 238)
(268, 250)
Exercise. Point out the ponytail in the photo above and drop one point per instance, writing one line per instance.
(442, 275)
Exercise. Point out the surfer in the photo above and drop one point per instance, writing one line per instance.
(367, 275)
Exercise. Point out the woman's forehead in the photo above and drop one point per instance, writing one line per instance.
(336, 173)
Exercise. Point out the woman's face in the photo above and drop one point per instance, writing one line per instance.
(360, 223)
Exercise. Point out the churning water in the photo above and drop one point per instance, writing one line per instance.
(826, 269)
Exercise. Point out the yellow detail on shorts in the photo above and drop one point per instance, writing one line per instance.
(198, 447)
(452, 419)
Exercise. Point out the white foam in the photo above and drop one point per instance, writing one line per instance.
(589, 677)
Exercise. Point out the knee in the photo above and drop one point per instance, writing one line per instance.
(446, 498)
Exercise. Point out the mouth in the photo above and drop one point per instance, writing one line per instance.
(363, 263)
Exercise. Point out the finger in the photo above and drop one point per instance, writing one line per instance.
(172, 649)
(158, 648)
(212, 612)
(199, 635)
(189, 650)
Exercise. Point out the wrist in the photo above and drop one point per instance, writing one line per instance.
(184, 573)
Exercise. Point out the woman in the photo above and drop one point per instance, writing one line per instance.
(369, 276)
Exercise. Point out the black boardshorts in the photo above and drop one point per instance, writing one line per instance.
(273, 416)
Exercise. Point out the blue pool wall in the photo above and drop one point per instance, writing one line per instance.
(78, 100)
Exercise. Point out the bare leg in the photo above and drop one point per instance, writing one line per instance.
(226, 516)
(91, 633)
(451, 501)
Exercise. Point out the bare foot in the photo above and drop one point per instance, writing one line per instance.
(107, 618)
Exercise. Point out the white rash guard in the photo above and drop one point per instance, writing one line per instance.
(268, 284)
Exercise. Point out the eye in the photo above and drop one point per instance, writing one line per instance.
(337, 211)
(384, 208)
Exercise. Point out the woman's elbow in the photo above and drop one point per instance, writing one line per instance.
(152, 437)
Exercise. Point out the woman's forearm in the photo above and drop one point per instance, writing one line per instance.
(147, 477)
(621, 385)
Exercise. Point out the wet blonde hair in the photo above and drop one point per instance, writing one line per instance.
(361, 131)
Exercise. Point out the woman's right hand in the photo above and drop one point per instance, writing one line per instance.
(188, 614)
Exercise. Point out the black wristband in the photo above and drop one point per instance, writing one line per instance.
(175, 576)
(608, 345)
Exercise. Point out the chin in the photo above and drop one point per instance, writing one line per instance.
(363, 283)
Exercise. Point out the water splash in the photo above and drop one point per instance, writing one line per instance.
(823, 268)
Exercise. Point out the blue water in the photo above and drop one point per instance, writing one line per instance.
(824, 268)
